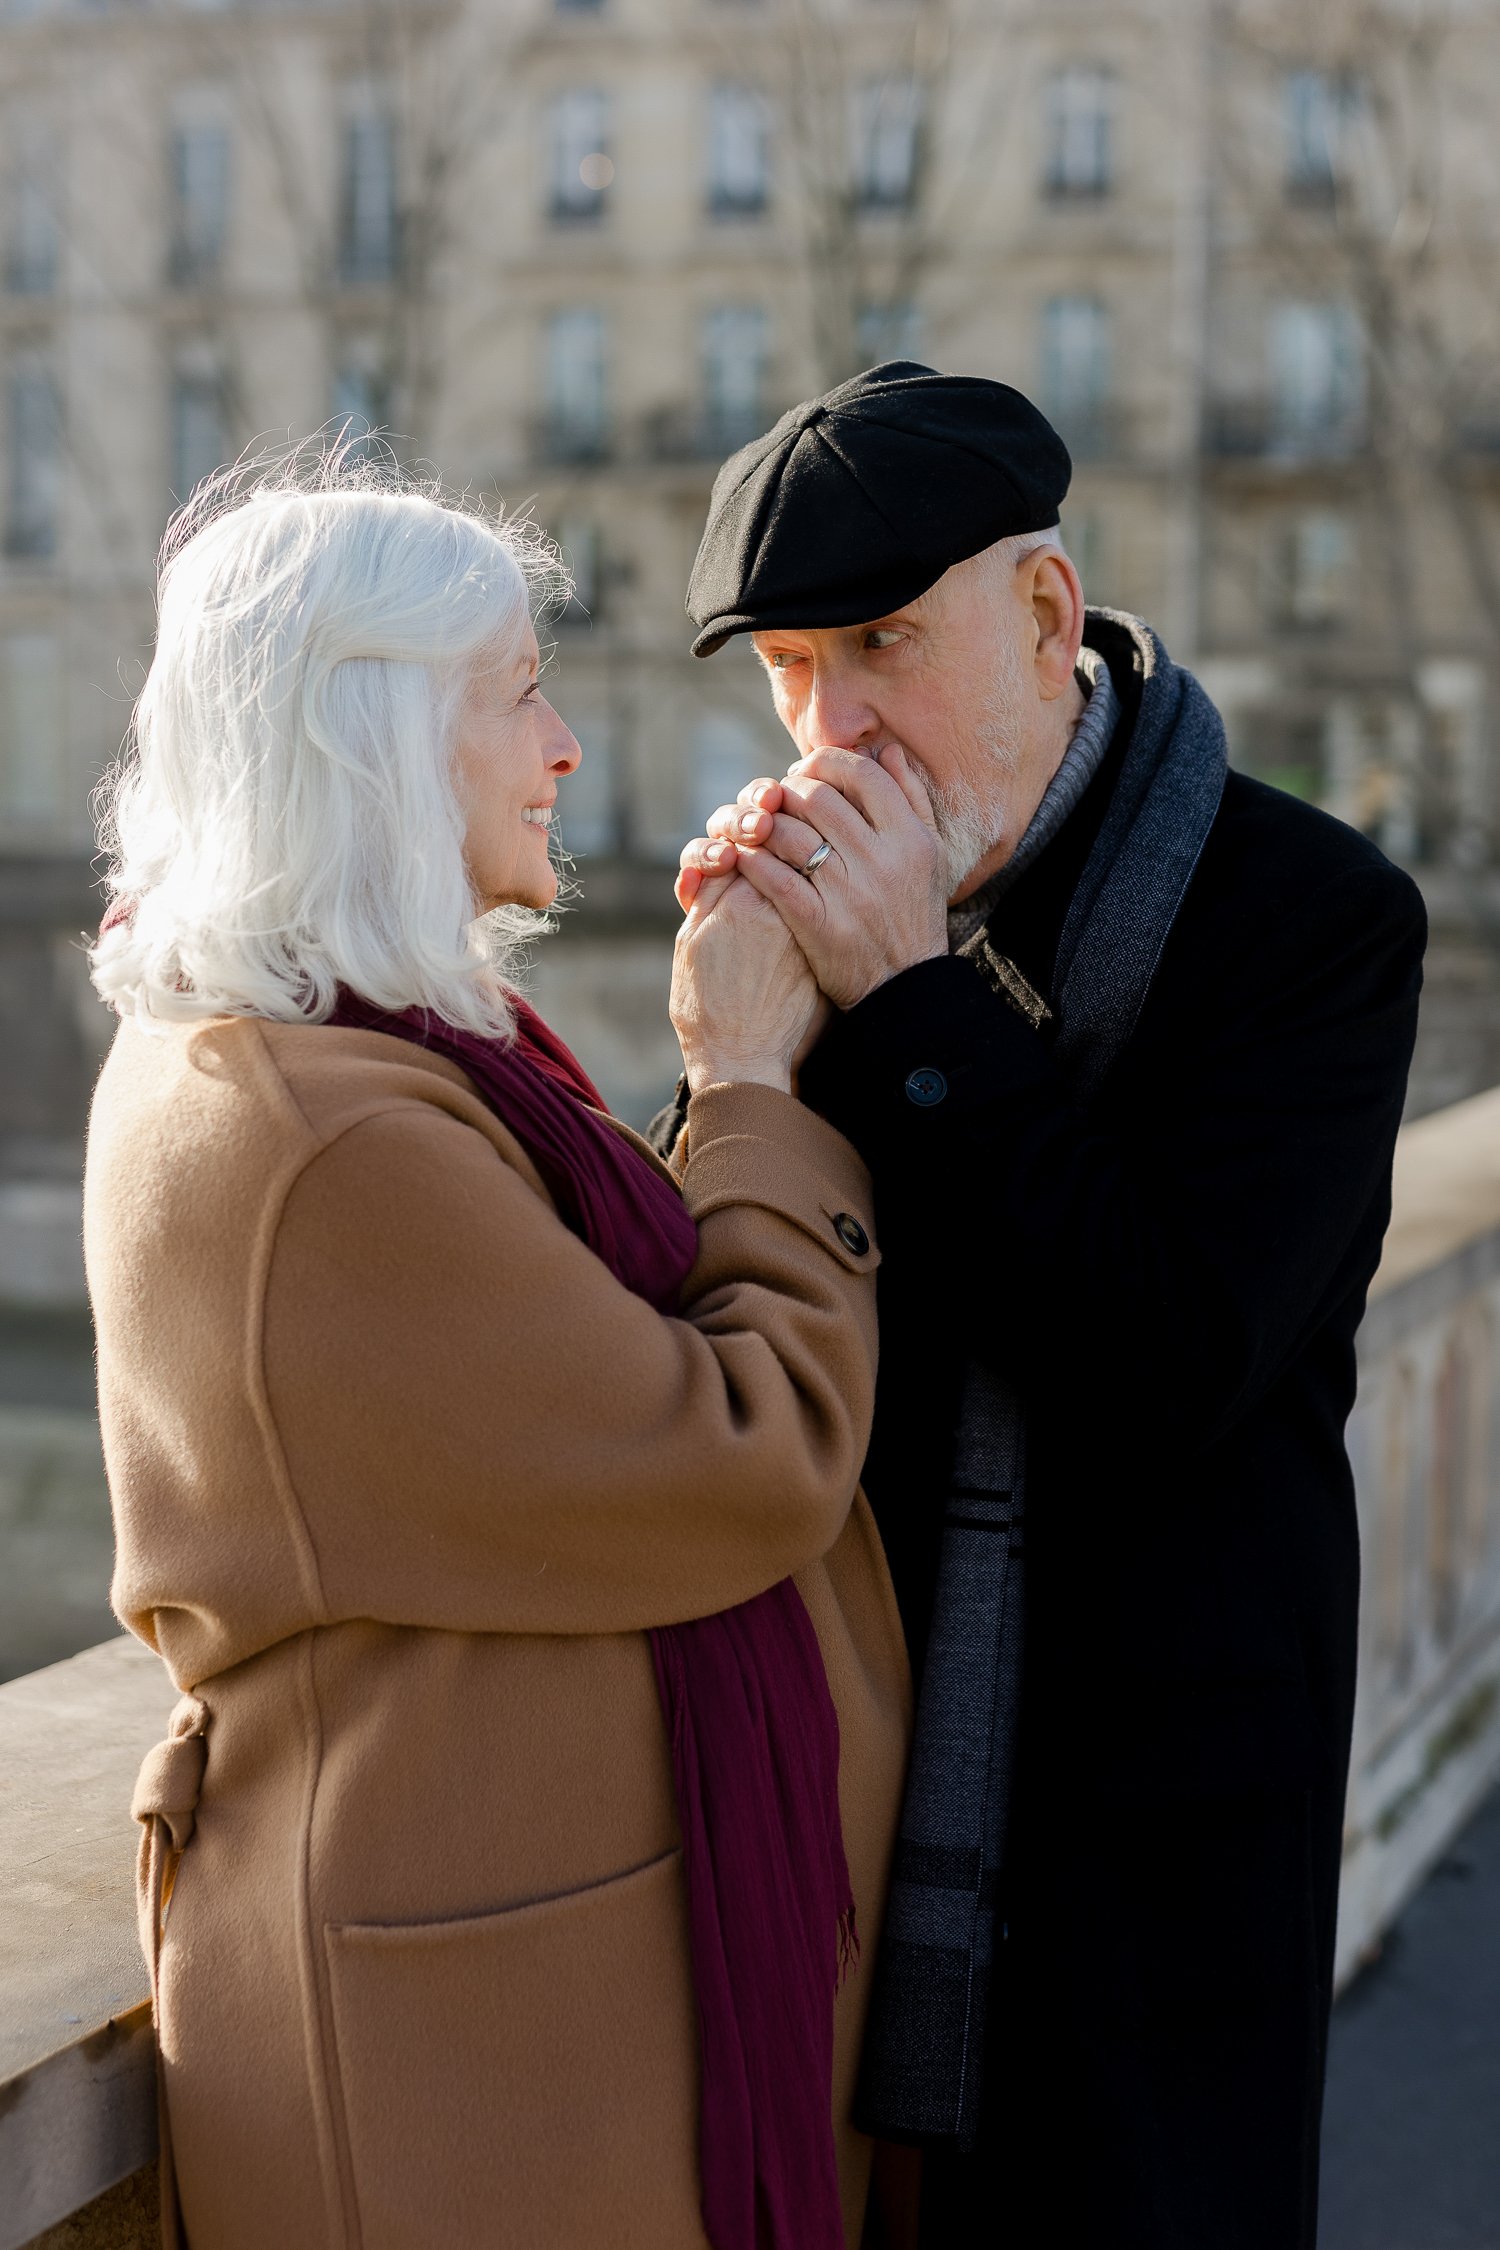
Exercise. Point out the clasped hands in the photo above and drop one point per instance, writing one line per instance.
(767, 947)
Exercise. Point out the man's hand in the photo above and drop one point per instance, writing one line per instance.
(877, 902)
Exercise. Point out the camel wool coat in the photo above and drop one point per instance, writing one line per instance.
(401, 1474)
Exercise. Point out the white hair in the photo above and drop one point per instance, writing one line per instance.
(1020, 544)
(284, 818)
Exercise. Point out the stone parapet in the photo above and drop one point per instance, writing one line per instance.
(77, 2088)
(1425, 1442)
(77, 2071)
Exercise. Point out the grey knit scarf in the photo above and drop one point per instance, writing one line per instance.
(1081, 761)
(923, 2065)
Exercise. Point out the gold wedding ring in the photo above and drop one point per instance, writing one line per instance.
(817, 858)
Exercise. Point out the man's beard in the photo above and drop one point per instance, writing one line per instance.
(971, 810)
(969, 826)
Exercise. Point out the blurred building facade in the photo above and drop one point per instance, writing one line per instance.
(575, 251)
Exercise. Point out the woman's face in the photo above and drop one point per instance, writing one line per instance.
(511, 753)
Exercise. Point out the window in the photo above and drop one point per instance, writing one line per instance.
(735, 346)
(361, 392)
(1079, 124)
(32, 248)
(200, 200)
(727, 751)
(579, 540)
(576, 411)
(1083, 536)
(200, 440)
(1286, 747)
(588, 814)
(738, 152)
(31, 704)
(579, 169)
(887, 114)
(34, 482)
(1313, 583)
(1317, 378)
(1318, 106)
(369, 219)
(1075, 368)
(889, 331)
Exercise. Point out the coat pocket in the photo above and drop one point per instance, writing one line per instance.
(525, 2079)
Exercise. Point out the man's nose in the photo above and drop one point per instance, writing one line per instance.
(838, 716)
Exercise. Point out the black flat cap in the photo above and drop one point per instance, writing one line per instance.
(858, 501)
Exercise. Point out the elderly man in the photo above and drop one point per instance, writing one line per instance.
(1124, 1037)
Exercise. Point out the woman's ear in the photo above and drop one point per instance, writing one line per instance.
(1057, 608)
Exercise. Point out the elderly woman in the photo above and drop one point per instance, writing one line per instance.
(488, 1491)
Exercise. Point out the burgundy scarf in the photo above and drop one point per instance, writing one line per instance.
(754, 1735)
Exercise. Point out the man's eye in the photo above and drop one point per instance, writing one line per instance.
(782, 659)
(885, 638)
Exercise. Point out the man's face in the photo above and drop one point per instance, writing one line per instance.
(953, 680)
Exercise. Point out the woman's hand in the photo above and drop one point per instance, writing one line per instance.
(877, 902)
(743, 996)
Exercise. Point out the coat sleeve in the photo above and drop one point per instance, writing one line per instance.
(486, 1431)
(1157, 1259)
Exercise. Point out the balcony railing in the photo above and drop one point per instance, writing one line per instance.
(1097, 432)
(690, 433)
(1255, 430)
(570, 442)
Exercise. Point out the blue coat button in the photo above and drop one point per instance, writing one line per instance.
(926, 1088)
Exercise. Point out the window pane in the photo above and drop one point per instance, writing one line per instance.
(576, 384)
(1317, 376)
(1318, 107)
(200, 442)
(361, 395)
(200, 200)
(35, 478)
(892, 331)
(578, 167)
(367, 217)
(579, 540)
(1317, 566)
(735, 348)
(886, 117)
(727, 751)
(1083, 537)
(31, 775)
(1080, 131)
(587, 813)
(738, 169)
(32, 250)
(1075, 368)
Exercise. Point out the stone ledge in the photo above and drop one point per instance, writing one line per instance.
(126, 2217)
(77, 2084)
(77, 2087)
(1446, 1190)
(81, 2121)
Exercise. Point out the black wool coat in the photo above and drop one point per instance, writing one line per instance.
(1174, 1275)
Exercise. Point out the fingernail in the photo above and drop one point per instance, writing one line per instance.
(716, 854)
(749, 822)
